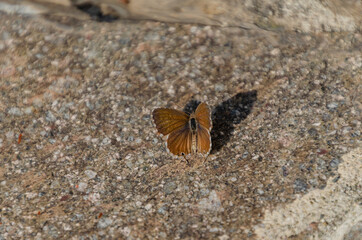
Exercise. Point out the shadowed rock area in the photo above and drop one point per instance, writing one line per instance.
(80, 156)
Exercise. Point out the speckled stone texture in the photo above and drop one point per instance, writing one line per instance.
(80, 156)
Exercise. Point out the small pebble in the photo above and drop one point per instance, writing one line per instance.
(148, 206)
(50, 117)
(332, 106)
(15, 111)
(82, 187)
(104, 222)
(334, 163)
(90, 174)
(300, 185)
(219, 87)
(169, 187)
(275, 52)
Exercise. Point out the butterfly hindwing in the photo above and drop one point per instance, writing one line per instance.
(203, 140)
(179, 142)
(169, 120)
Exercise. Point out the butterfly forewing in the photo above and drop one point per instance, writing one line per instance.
(202, 114)
(179, 142)
(169, 120)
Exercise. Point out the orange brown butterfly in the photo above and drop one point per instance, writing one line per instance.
(186, 133)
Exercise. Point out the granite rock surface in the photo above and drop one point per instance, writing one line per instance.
(81, 158)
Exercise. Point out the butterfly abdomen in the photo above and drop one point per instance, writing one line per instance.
(194, 143)
(193, 127)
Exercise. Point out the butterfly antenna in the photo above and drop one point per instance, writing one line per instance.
(206, 158)
(182, 109)
(178, 106)
(187, 161)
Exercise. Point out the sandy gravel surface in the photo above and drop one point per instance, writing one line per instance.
(80, 155)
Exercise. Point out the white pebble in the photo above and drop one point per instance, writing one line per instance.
(104, 222)
(148, 206)
(90, 174)
(82, 187)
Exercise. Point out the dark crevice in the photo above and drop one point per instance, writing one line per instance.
(96, 13)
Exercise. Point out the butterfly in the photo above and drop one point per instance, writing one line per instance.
(186, 134)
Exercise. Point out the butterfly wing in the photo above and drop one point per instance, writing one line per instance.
(203, 140)
(169, 120)
(180, 141)
(202, 115)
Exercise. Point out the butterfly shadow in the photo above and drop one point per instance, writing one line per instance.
(226, 116)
